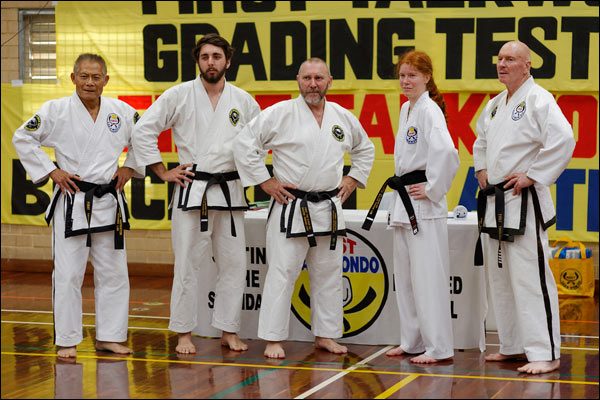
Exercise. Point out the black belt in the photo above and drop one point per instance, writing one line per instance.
(498, 192)
(92, 190)
(398, 183)
(313, 197)
(220, 179)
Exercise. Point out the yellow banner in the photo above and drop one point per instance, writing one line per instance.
(147, 46)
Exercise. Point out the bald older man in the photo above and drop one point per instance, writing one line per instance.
(524, 143)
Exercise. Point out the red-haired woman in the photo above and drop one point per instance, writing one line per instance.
(425, 164)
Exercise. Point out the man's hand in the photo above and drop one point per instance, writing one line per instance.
(518, 181)
(417, 191)
(64, 180)
(347, 186)
(482, 178)
(123, 175)
(277, 190)
(179, 175)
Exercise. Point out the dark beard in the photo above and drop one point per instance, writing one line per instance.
(213, 79)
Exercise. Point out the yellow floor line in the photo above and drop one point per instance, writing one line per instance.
(292, 367)
(398, 386)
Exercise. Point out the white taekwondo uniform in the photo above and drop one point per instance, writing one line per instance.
(529, 134)
(421, 260)
(312, 158)
(90, 149)
(203, 137)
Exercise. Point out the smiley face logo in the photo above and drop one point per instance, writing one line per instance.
(365, 286)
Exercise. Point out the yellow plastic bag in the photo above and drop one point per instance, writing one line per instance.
(573, 276)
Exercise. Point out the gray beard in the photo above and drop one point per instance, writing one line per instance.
(313, 100)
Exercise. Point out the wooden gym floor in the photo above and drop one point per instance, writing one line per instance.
(30, 368)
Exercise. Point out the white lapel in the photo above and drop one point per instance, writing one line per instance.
(88, 133)
(315, 138)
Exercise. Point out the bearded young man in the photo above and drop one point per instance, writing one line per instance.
(205, 115)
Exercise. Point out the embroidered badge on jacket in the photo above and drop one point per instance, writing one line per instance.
(411, 135)
(113, 122)
(34, 123)
(519, 111)
(338, 133)
(234, 116)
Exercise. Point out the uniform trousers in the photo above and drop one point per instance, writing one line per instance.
(518, 290)
(194, 251)
(286, 257)
(422, 279)
(111, 284)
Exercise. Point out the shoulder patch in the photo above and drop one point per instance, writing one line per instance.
(34, 123)
(338, 133)
(234, 116)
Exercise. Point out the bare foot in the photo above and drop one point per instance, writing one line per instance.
(330, 345)
(184, 343)
(539, 367)
(423, 359)
(233, 341)
(396, 351)
(67, 352)
(274, 350)
(504, 357)
(113, 346)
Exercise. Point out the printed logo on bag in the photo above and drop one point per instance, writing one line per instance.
(411, 135)
(234, 116)
(113, 122)
(519, 111)
(338, 133)
(494, 112)
(571, 279)
(365, 286)
(34, 123)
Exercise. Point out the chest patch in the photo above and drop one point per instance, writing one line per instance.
(412, 135)
(338, 133)
(113, 121)
(234, 116)
(519, 111)
(494, 111)
(34, 123)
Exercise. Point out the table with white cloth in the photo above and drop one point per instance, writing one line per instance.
(370, 309)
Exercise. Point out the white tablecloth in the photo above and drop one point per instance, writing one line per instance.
(370, 308)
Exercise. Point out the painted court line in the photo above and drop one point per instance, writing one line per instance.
(561, 347)
(166, 318)
(397, 386)
(84, 325)
(296, 368)
(166, 329)
(50, 312)
(341, 374)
